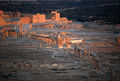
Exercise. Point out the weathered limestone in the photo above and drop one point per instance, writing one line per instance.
(39, 18)
(1, 13)
(60, 42)
(25, 20)
(12, 33)
(54, 16)
(3, 22)
(65, 20)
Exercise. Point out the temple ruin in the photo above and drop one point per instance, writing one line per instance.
(53, 16)
(25, 20)
(1, 12)
(39, 18)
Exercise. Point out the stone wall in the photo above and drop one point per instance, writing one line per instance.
(39, 18)
(1, 12)
(54, 16)
(25, 20)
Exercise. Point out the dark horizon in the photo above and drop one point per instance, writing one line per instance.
(80, 10)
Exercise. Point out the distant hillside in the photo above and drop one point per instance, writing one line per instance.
(104, 11)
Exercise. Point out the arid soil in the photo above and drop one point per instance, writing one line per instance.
(26, 59)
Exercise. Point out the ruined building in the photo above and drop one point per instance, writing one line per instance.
(8, 32)
(65, 20)
(13, 14)
(16, 14)
(60, 42)
(25, 20)
(10, 18)
(5, 19)
(54, 16)
(39, 18)
(3, 22)
(1, 13)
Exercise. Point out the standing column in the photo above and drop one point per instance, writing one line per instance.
(21, 29)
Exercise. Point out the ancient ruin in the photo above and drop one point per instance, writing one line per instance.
(54, 16)
(39, 18)
(43, 47)
(25, 20)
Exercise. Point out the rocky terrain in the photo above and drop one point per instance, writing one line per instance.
(43, 54)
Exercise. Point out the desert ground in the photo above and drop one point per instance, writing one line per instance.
(52, 54)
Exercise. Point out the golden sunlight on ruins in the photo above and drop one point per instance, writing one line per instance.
(18, 19)
(54, 39)
(36, 18)
(21, 19)
(54, 16)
